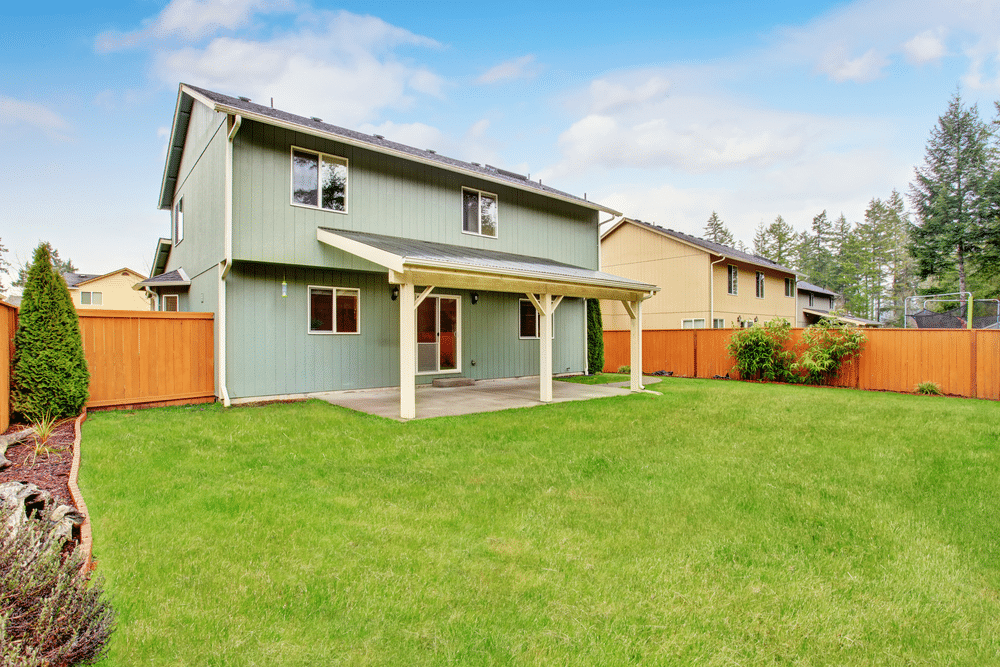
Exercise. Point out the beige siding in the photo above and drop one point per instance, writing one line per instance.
(116, 293)
(682, 271)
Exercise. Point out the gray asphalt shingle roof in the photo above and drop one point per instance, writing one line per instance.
(418, 252)
(376, 142)
(174, 277)
(74, 279)
(809, 287)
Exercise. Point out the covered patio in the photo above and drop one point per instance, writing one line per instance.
(483, 396)
(412, 264)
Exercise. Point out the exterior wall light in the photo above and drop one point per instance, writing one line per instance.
(395, 293)
(475, 298)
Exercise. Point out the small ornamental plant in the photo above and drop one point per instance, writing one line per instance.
(826, 345)
(929, 389)
(49, 378)
(595, 337)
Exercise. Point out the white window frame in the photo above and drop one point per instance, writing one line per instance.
(319, 174)
(480, 193)
(719, 323)
(693, 323)
(733, 279)
(167, 297)
(90, 299)
(760, 284)
(538, 322)
(178, 212)
(812, 300)
(789, 288)
(333, 332)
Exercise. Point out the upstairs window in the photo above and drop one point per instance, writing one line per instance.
(179, 221)
(319, 180)
(733, 279)
(480, 214)
(789, 287)
(812, 299)
(760, 285)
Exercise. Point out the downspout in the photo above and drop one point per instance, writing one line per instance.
(711, 294)
(227, 262)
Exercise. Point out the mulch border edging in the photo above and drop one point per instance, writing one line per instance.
(86, 537)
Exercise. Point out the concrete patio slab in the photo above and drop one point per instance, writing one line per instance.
(483, 396)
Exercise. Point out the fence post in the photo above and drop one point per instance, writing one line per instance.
(974, 354)
(695, 352)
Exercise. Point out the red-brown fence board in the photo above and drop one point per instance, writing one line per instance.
(961, 362)
(8, 325)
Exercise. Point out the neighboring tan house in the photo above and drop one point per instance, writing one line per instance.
(703, 284)
(816, 302)
(109, 291)
(336, 260)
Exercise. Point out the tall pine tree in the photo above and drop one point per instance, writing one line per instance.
(949, 193)
(717, 232)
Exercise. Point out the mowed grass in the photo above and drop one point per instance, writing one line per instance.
(720, 523)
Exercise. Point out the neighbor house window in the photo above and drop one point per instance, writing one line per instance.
(479, 213)
(92, 298)
(334, 310)
(179, 221)
(169, 303)
(319, 180)
(733, 280)
(718, 323)
(698, 323)
(789, 287)
(812, 299)
(530, 322)
(760, 285)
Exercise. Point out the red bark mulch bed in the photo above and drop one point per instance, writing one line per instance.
(48, 471)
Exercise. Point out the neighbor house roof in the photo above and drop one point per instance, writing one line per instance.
(314, 126)
(76, 280)
(843, 317)
(715, 248)
(408, 255)
(816, 289)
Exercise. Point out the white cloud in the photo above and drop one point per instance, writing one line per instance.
(864, 68)
(924, 48)
(608, 95)
(192, 20)
(16, 112)
(336, 65)
(518, 68)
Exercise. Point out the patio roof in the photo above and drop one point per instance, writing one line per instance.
(442, 265)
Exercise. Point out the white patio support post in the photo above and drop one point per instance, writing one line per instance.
(634, 309)
(407, 352)
(545, 306)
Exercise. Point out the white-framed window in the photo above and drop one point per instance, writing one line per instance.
(812, 299)
(760, 285)
(319, 180)
(719, 323)
(92, 298)
(334, 310)
(789, 287)
(529, 323)
(179, 221)
(480, 213)
(696, 323)
(168, 303)
(734, 276)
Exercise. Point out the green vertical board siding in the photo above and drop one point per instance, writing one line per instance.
(270, 352)
(386, 195)
(202, 186)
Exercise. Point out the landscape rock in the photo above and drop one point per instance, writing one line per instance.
(29, 500)
(12, 439)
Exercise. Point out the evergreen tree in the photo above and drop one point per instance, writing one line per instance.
(781, 241)
(717, 232)
(50, 376)
(761, 241)
(949, 191)
(595, 337)
(60, 266)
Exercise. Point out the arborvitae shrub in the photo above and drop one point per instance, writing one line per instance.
(595, 337)
(50, 377)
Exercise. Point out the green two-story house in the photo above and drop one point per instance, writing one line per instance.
(337, 260)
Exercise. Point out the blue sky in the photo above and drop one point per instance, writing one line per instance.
(665, 111)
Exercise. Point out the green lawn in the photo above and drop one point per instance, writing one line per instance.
(720, 523)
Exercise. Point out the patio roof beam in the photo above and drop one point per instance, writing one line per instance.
(510, 283)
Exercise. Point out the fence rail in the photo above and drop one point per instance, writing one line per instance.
(963, 362)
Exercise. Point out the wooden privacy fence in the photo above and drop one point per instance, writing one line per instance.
(8, 325)
(960, 361)
(142, 358)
